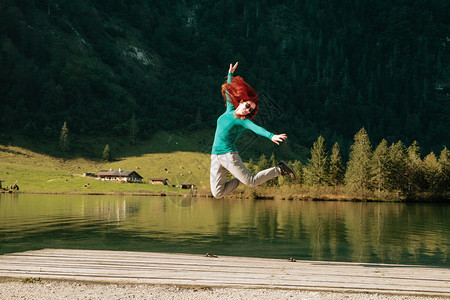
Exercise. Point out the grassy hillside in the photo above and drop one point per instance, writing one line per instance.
(39, 166)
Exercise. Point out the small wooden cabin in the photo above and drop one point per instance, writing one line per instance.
(161, 181)
(187, 186)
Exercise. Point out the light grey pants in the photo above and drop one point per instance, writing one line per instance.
(231, 162)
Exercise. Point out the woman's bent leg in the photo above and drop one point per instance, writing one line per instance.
(233, 163)
(218, 179)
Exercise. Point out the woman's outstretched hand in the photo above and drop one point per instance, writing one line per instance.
(233, 68)
(279, 138)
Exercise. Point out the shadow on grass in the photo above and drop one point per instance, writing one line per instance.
(92, 147)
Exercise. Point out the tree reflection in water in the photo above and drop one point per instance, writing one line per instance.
(332, 231)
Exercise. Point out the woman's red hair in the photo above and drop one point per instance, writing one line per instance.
(239, 90)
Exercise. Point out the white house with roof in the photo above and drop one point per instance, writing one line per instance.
(118, 175)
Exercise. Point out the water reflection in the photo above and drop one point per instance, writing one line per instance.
(336, 231)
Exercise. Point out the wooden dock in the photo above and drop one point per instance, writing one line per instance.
(225, 271)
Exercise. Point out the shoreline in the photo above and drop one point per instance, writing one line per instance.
(238, 195)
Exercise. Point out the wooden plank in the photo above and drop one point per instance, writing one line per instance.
(198, 268)
(204, 264)
(237, 280)
(188, 269)
(207, 264)
(304, 272)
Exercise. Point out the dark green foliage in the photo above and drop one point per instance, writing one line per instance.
(332, 67)
(30, 129)
(133, 129)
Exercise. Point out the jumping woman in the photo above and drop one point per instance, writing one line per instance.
(242, 106)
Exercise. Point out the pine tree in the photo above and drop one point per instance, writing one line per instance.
(414, 170)
(444, 175)
(431, 172)
(317, 168)
(262, 163)
(106, 153)
(397, 167)
(64, 138)
(358, 175)
(30, 129)
(336, 166)
(379, 167)
(272, 160)
(282, 180)
(298, 169)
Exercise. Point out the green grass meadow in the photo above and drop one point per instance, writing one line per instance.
(39, 167)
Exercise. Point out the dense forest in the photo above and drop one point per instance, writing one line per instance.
(383, 172)
(322, 68)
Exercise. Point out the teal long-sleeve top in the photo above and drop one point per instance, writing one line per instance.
(229, 128)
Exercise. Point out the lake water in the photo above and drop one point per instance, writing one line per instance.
(325, 231)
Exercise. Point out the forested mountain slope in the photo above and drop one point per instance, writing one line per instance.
(321, 67)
